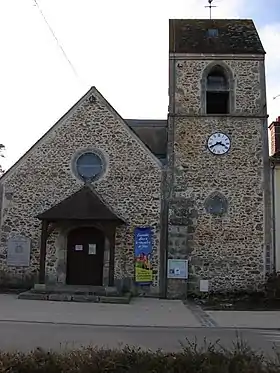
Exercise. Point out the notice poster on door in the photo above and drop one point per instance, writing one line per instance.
(78, 247)
(143, 255)
(92, 249)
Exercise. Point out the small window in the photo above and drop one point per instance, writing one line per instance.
(217, 92)
(89, 166)
(212, 32)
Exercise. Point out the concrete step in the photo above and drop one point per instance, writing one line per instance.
(67, 297)
(107, 291)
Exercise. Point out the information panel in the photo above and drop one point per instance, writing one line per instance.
(177, 268)
(18, 254)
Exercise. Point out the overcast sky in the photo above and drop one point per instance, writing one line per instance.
(119, 46)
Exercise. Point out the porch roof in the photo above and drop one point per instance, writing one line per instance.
(82, 205)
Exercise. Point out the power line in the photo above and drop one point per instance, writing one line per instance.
(57, 41)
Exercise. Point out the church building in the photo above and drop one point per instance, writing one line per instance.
(161, 207)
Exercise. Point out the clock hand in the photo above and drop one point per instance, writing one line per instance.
(217, 143)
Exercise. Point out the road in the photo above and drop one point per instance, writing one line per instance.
(25, 336)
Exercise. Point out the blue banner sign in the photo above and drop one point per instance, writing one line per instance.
(143, 255)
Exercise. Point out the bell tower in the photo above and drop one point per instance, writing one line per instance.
(218, 168)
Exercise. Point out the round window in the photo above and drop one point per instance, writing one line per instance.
(89, 166)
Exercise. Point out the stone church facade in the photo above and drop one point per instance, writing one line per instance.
(199, 180)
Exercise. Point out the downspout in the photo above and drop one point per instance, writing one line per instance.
(1, 205)
(273, 215)
(163, 234)
(169, 170)
(268, 224)
(273, 210)
(171, 160)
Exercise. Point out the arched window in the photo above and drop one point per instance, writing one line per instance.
(217, 91)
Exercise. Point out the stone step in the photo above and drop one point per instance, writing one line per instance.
(67, 297)
(108, 291)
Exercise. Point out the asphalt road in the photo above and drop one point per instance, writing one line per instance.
(26, 336)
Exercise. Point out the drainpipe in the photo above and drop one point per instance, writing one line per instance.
(1, 204)
(273, 207)
(171, 161)
(168, 172)
(164, 235)
(273, 215)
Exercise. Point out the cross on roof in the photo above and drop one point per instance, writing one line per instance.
(210, 6)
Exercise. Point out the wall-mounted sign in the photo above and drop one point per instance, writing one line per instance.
(92, 249)
(18, 254)
(177, 268)
(204, 286)
(143, 255)
(78, 247)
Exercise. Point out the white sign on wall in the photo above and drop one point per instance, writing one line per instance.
(18, 254)
(204, 286)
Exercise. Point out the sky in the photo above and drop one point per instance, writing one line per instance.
(119, 46)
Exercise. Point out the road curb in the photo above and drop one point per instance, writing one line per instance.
(135, 326)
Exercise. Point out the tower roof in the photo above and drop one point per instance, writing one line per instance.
(233, 36)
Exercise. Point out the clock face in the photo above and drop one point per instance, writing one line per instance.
(218, 143)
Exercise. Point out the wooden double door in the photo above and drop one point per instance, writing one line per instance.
(85, 257)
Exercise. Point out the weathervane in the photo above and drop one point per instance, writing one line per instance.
(210, 6)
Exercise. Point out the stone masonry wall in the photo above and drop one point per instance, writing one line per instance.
(130, 185)
(227, 250)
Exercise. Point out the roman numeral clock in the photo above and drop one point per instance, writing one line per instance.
(218, 143)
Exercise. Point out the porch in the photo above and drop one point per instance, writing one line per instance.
(85, 248)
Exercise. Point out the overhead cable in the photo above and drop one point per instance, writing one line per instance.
(57, 41)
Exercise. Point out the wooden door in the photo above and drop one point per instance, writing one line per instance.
(85, 256)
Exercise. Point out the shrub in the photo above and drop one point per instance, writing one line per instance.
(209, 359)
(272, 286)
